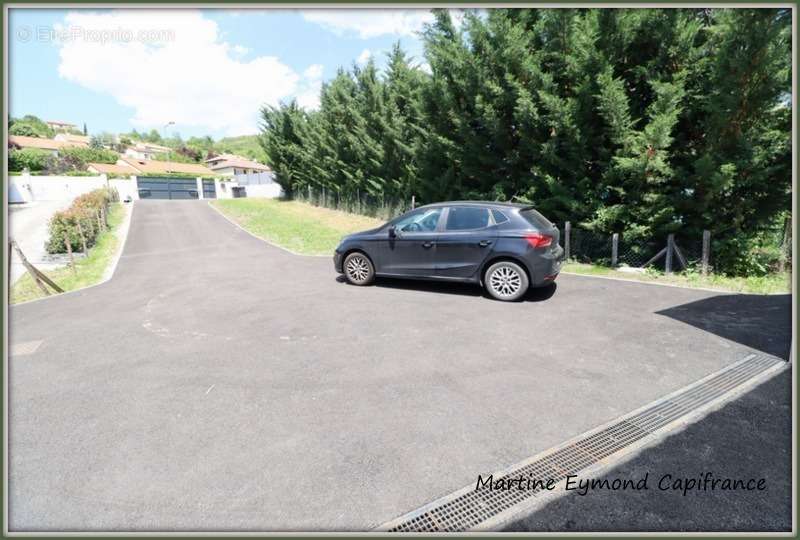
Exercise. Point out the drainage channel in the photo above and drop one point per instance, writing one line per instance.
(468, 509)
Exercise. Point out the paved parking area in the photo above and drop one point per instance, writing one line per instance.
(219, 382)
(750, 437)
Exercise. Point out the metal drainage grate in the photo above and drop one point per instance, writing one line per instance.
(467, 508)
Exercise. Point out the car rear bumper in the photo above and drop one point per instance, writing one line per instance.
(547, 267)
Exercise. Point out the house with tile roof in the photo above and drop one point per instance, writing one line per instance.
(126, 165)
(146, 150)
(231, 164)
(83, 140)
(51, 145)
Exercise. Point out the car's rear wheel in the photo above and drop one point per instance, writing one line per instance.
(506, 281)
(358, 269)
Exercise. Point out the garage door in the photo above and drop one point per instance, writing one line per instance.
(154, 187)
(209, 189)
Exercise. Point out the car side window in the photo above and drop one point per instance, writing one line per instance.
(499, 217)
(420, 221)
(467, 218)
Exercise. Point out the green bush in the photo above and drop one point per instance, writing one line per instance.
(83, 155)
(84, 211)
(32, 159)
(30, 126)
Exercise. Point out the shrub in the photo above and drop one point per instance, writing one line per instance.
(32, 159)
(83, 155)
(83, 210)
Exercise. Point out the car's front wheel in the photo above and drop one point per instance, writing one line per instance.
(506, 281)
(358, 269)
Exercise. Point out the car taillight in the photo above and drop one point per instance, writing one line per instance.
(538, 240)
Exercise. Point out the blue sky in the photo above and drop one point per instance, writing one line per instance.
(208, 71)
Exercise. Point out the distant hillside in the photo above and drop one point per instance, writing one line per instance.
(245, 145)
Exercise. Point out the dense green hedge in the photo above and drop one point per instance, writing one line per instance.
(84, 210)
(642, 122)
(32, 159)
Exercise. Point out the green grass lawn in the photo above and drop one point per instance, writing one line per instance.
(311, 230)
(774, 283)
(89, 270)
(300, 227)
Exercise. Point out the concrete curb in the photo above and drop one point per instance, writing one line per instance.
(122, 233)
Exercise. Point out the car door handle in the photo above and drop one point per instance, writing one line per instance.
(484, 243)
(427, 245)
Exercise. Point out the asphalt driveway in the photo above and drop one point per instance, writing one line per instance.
(219, 382)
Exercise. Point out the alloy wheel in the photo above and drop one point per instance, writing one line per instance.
(505, 281)
(358, 269)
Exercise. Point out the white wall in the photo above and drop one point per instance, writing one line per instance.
(28, 188)
(269, 191)
(125, 187)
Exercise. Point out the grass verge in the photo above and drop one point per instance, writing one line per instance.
(311, 230)
(773, 283)
(300, 227)
(89, 270)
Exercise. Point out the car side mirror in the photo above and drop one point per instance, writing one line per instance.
(392, 232)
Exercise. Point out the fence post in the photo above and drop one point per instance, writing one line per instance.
(309, 193)
(99, 221)
(28, 266)
(69, 252)
(706, 252)
(83, 238)
(324, 197)
(413, 202)
(567, 230)
(614, 249)
(786, 245)
(670, 250)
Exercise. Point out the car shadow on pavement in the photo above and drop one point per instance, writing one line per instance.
(750, 437)
(537, 294)
(761, 322)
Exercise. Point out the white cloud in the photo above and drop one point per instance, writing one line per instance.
(191, 76)
(364, 57)
(369, 23)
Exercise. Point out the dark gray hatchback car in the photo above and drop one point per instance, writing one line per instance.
(503, 246)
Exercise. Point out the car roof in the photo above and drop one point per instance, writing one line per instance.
(489, 204)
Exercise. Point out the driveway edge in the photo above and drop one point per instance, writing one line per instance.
(121, 233)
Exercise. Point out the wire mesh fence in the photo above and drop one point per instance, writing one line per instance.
(381, 207)
(688, 252)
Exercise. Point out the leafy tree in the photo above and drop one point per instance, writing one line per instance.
(152, 136)
(30, 126)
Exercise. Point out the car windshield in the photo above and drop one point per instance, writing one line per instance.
(419, 221)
